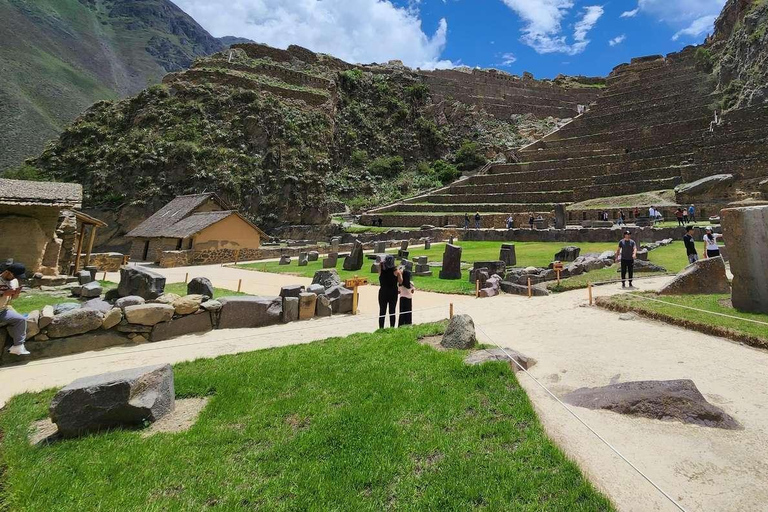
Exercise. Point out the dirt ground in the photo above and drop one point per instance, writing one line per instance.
(575, 346)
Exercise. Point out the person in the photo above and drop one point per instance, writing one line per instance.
(685, 215)
(466, 221)
(627, 252)
(692, 213)
(406, 289)
(710, 241)
(622, 218)
(9, 318)
(389, 277)
(477, 220)
(690, 245)
(679, 215)
(636, 212)
(652, 214)
(530, 220)
(510, 222)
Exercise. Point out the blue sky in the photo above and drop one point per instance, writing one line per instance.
(544, 37)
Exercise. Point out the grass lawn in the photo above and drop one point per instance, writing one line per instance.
(537, 254)
(750, 332)
(36, 299)
(369, 422)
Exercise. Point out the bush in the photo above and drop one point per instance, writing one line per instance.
(387, 167)
(350, 79)
(468, 157)
(445, 172)
(704, 59)
(358, 159)
(24, 172)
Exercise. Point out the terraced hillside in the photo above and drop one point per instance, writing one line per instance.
(650, 130)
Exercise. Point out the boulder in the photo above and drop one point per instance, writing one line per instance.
(211, 305)
(84, 277)
(46, 317)
(131, 300)
(112, 318)
(705, 277)
(327, 278)
(290, 309)
(200, 286)
(496, 354)
(355, 259)
(568, 254)
(745, 232)
(307, 306)
(313, 255)
(293, 290)
(248, 311)
(181, 326)
(166, 298)
(341, 299)
(148, 314)
(33, 327)
(667, 400)
(717, 182)
(58, 309)
(646, 266)
(137, 280)
(642, 254)
(187, 305)
(285, 260)
(75, 321)
(427, 244)
(98, 305)
(317, 289)
(323, 306)
(451, 262)
(460, 333)
(127, 398)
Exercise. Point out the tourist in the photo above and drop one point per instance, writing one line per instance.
(622, 218)
(690, 245)
(530, 220)
(685, 215)
(389, 277)
(636, 212)
(510, 222)
(692, 214)
(710, 240)
(477, 220)
(652, 214)
(10, 319)
(679, 215)
(627, 253)
(406, 289)
(466, 221)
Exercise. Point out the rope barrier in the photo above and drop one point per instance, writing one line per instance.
(697, 309)
(585, 424)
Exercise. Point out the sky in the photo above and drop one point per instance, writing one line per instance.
(543, 37)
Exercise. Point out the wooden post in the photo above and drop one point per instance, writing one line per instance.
(354, 298)
(558, 277)
(477, 288)
(90, 245)
(186, 278)
(530, 290)
(450, 310)
(105, 277)
(237, 256)
(79, 248)
(589, 288)
(239, 285)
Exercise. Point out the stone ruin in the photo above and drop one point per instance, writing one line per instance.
(746, 232)
(451, 262)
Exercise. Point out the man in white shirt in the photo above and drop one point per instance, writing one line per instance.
(10, 319)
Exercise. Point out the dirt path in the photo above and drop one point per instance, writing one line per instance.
(575, 346)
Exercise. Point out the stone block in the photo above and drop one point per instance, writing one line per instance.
(285, 260)
(519, 289)
(317, 289)
(292, 290)
(33, 327)
(451, 262)
(46, 317)
(200, 286)
(313, 256)
(75, 321)
(323, 306)
(112, 318)
(181, 326)
(331, 260)
(131, 300)
(427, 244)
(84, 277)
(290, 309)
(746, 230)
(188, 304)
(303, 259)
(137, 280)
(327, 278)
(508, 255)
(307, 306)
(379, 247)
(494, 267)
(118, 399)
(560, 216)
(705, 277)
(341, 299)
(247, 311)
(149, 314)
(568, 254)
(90, 290)
(404, 245)
(355, 259)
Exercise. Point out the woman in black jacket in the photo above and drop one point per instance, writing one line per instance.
(389, 277)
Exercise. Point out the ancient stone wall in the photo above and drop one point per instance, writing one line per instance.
(104, 261)
(260, 51)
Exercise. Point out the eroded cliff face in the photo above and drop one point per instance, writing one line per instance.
(739, 50)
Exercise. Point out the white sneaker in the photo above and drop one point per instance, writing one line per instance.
(19, 350)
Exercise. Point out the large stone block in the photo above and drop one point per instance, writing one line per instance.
(149, 314)
(189, 324)
(331, 260)
(323, 306)
(705, 277)
(560, 216)
(292, 290)
(508, 255)
(313, 256)
(290, 309)
(451, 262)
(327, 278)
(200, 286)
(568, 254)
(75, 321)
(136, 280)
(341, 299)
(355, 259)
(307, 306)
(746, 232)
(90, 290)
(379, 247)
(119, 399)
(247, 311)
(112, 318)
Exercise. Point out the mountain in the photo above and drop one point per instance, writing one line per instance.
(58, 57)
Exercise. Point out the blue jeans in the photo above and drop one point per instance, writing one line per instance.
(16, 324)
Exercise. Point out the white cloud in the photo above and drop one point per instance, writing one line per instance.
(508, 59)
(691, 18)
(543, 24)
(359, 31)
(617, 40)
(698, 27)
(630, 14)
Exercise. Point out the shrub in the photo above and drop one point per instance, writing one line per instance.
(387, 167)
(469, 157)
(445, 172)
(24, 172)
(350, 79)
(358, 159)
(704, 59)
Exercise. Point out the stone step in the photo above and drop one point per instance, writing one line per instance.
(470, 207)
(648, 87)
(560, 196)
(489, 220)
(624, 188)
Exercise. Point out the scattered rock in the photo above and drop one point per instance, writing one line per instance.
(75, 321)
(148, 314)
(119, 399)
(285, 260)
(188, 304)
(84, 277)
(33, 326)
(98, 305)
(112, 318)
(211, 305)
(328, 278)
(341, 299)
(355, 259)
(667, 400)
(496, 354)
(166, 298)
(248, 311)
(131, 300)
(59, 309)
(704, 277)
(293, 290)
(568, 254)
(519, 289)
(460, 333)
(92, 289)
(46, 317)
(136, 280)
(200, 286)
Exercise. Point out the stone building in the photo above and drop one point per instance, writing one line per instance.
(40, 226)
(192, 225)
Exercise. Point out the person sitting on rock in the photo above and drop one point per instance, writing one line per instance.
(627, 253)
(9, 290)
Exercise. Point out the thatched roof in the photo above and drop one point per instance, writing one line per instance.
(43, 193)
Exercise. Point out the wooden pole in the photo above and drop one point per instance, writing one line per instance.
(237, 256)
(450, 310)
(477, 288)
(530, 290)
(105, 277)
(90, 245)
(79, 247)
(239, 285)
(186, 278)
(589, 288)
(558, 277)
(354, 298)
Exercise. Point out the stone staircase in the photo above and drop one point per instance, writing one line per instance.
(648, 131)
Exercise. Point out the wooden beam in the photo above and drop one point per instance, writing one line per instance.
(79, 248)
(90, 245)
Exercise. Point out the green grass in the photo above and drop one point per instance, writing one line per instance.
(710, 303)
(537, 254)
(369, 422)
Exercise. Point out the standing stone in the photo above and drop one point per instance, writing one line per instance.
(404, 245)
(291, 290)
(451, 262)
(331, 260)
(313, 256)
(560, 221)
(355, 260)
(136, 280)
(200, 286)
(307, 305)
(335, 241)
(303, 259)
(327, 278)
(422, 267)
(568, 254)
(507, 255)
(427, 244)
(290, 309)
(746, 232)
(323, 305)
(117, 399)
(341, 299)
(379, 247)
(460, 333)
(285, 260)
(247, 311)
(84, 277)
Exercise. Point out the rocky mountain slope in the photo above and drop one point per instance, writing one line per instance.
(58, 57)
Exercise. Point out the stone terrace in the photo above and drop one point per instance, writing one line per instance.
(648, 131)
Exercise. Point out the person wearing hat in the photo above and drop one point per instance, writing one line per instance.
(627, 253)
(10, 319)
(710, 240)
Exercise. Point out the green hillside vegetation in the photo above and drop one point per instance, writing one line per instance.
(60, 56)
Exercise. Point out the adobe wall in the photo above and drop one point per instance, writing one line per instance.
(230, 233)
(27, 233)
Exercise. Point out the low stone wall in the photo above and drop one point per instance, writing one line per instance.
(577, 234)
(105, 261)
